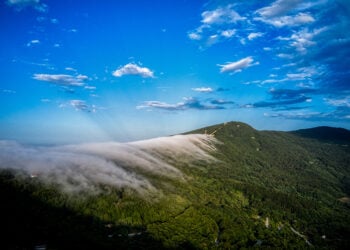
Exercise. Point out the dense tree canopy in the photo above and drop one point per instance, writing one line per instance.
(266, 189)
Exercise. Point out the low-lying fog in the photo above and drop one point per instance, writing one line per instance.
(84, 167)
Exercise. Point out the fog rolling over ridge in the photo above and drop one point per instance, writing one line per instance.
(84, 167)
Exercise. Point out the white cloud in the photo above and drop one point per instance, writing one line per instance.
(343, 102)
(305, 73)
(277, 13)
(254, 35)
(298, 76)
(203, 89)
(194, 36)
(278, 8)
(82, 77)
(204, 33)
(90, 87)
(8, 91)
(61, 79)
(21, 4)
(221, 15)
(273, 80)
(188, 103)
(228, 33)
(297, 20)
(33, 42)
(285, 56)
(216, 26)
(161, 105)
(283, 7)
(212, 40)
(81, 105)
(133, 69)
(303, 39)
(70, 69)
(238, 66)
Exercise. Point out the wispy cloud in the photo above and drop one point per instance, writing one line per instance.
(90, 87)
(279, 103)
(228, 33)
(296, 115)
(284, 98)
(221, 102)
(279, 94)
(188, 103)
(79, 105)
(254, 35)
(278, 8)
(303, 39)
(33, 42)
(203, 89)
(286, 13)
(221, 15)
(133, 69)
(21, 4)
(62, 79)
(238, 66)
(297, 20)
(70, 69)
(339, 102)
(341, 113)
(217, 25)
(7, 91)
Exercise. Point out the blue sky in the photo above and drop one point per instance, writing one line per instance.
(76, 71)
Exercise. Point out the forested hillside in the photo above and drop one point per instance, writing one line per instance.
(258, 189)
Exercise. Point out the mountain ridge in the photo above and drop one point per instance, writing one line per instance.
(272, 189)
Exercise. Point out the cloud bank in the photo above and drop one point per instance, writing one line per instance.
(87, 167)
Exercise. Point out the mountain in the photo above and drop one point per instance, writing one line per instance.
(227, 186)
(326, 134)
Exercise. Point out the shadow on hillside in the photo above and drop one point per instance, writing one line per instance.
(326, 134)
(28, 223)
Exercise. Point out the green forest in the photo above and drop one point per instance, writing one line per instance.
(266, 189)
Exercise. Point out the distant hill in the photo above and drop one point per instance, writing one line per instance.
(325, 134)
(242, 188)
